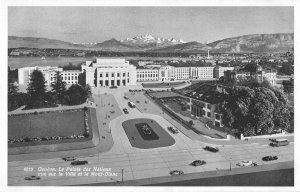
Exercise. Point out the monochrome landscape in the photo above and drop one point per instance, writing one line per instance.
(151, 96)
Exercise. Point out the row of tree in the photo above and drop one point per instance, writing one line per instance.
(37, 95)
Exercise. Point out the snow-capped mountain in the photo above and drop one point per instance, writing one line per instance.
(149, 41)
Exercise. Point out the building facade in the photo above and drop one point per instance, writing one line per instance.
(199, 108)
(109, 72)
(69, 76)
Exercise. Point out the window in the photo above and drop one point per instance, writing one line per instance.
(208, 114)
(208, 106)
(100, 74)
(123, 74)
(112, 74)
(106, 74)
(217, 116)
(118, 74)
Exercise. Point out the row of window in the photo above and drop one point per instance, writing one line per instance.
(65, 78)
(113, 74)
(146, 75)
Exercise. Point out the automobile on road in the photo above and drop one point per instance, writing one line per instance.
(269, 158)
(211, 149)
(125, 111)
(245, 163)
(125, 97)
(69, 158)
(279, 142)
(176, 172)
(32, 177)
(198, 163)
(79, 162)
(131, 104)
(173, 130)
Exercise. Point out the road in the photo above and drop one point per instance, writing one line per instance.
(145, 163)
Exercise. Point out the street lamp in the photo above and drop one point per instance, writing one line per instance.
(122, 175)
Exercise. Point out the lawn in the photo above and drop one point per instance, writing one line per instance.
(158, 138)
(163, 84)
(164, 94)
(46, 124)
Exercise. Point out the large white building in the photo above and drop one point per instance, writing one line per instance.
(201, 72)
(109, 72)
(69, 76)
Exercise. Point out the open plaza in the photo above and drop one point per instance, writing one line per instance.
(138, 145)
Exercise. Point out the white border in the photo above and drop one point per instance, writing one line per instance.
(184, 3)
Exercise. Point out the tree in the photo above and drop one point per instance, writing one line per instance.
(288, 86)
(12, 75)
(36, 88)
(76, 95)
(286, 69)
(81, 79)
(58, 86)
(88, 91)
(256, 110)
(12, 89)
(252, 68)
(37, 92)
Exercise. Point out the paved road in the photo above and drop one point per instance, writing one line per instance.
(146, 163)
(279, 174)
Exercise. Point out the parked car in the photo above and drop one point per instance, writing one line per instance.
(269, 158)
(79, 162)
(176, 172)
(125, 111)
(245, 163)
(198, 163)
(69, 158)
(173, 130)
(113, 87)
(211, 149)
(125, 97)
(32, 177)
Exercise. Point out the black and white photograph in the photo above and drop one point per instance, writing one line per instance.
(153, 95)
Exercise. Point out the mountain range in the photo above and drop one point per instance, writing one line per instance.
(267, 43)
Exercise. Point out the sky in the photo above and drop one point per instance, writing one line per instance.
(97, 24)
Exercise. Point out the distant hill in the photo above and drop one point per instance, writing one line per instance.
(267, 43)
(191, 47)
(280, 42)
(41, 43)
(114, 45)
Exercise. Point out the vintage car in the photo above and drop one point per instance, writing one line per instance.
(198, 163)
(79, 162)
(32, 177)
(69, 158)
(211, 149)
(176, 172)
(173, 130)
(245, 163)
(269, 158)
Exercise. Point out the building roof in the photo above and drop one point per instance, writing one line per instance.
(208, 93)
